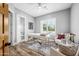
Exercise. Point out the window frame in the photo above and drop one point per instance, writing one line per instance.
(41, 25)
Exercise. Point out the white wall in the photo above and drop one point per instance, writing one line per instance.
(62, 21)
(75, 18)
(75, 21)
(16, 12)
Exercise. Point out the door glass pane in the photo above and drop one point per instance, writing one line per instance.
(22, 24)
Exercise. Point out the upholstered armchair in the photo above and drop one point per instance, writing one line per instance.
(69, 50)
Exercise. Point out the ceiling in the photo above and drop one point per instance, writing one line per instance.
(33, 10)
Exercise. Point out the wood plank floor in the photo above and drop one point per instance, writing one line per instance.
(21, 50)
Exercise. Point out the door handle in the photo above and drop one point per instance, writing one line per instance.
(7, 44)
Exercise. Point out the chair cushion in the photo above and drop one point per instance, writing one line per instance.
(61, 36)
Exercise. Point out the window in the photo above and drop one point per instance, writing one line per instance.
(48, 25)
(44, 27)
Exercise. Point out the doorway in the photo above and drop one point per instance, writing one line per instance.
(20, 28)
(10, 28)
(4, 50)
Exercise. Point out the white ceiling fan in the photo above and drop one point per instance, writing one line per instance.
(42, 5)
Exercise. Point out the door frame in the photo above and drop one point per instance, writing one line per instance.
(18, 33)
(12, 43)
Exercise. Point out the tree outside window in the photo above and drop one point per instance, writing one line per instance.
(48, 25)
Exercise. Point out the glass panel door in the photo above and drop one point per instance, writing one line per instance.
(20, 28)
(22, 31)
